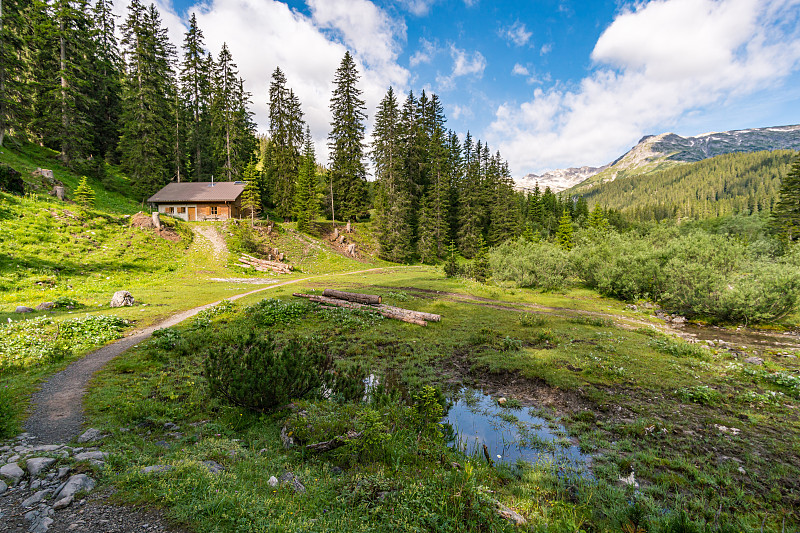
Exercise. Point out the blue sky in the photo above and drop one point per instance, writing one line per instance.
(549, 83)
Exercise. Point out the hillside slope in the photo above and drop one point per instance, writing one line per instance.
(727, 184)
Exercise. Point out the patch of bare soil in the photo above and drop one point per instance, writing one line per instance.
(141, 220)
(211, 233)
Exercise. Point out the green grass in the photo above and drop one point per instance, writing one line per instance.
(630, 397)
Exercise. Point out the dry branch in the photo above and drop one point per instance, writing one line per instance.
(335, 442)
(353, 305)
(367, 299)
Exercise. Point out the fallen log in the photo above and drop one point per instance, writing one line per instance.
(353, 305)
(335, 442)
(368, 299)
(259, 264)
(429, 317)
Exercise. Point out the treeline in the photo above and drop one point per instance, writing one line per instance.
(730, 184)
(68, 83)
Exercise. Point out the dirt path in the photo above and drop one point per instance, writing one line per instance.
(57, 410)
(211, 233)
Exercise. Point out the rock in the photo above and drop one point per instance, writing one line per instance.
(3, 486)
(63, 502)
(286, 439)
(90, 435)
(272, 481)
(41, 524)
(23, 309)
(62, 471)
(293, 481)
(38, 465)
(86, 456)
(157, 469)
(46, 448)
(122, 299)
(213, 467)
(36, 498)
(13, 472)
(75, 484)
(754, 361)
(45, 306)
(501, 401)
(169, 426)
(510, 515)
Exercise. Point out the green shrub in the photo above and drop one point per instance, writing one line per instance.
(677, 348)
(257, 374)
(11, 180)
(165, 339)
(65, 302)
(540, 265)
(242, 237)
(702, 394)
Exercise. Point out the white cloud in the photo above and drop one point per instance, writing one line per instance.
(520, 70)
(418, 7)
(516, 34)
(655, 63)
(464, 64)
(425, 54)
(546, 49)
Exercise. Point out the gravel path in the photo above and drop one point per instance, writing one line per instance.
(211, 233)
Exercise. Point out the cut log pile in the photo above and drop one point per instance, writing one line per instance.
(262, 265)
(353, 300)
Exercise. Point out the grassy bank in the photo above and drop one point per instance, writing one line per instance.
(710, 440)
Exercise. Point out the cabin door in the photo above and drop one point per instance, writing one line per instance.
(192, 214)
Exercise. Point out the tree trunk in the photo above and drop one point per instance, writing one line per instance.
(429, 317)
(63, 65)
(352, 305)
(335, 442)
(366, 299)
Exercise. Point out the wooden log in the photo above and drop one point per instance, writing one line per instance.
(353, 305)
(335, 442)
(368, 299)
(430, 317)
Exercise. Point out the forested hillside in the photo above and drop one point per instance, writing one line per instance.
(729, 184)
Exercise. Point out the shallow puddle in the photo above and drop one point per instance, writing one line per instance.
(510, 434)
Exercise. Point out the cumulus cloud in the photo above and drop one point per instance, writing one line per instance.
(516, 34)
(655, 63)
(425, 54)
(546, 49)
(464, 64)
(418, 7)
(520, 70)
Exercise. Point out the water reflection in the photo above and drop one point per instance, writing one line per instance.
(509, 434)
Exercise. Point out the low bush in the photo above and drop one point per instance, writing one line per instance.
(539, 265)
(8, 418)
(258, 374)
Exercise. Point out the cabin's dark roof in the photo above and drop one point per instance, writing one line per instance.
(198, 191)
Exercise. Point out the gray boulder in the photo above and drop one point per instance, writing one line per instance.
(38, 465)
(122, 299)
(89, 435)
(23, 309)
(293, 481)
(45, 306)
(213, 467)
(36, 498)
(75, 484)
(157, 469)
(86, 456)
(3, 486)
(11, 471)
(63, 502)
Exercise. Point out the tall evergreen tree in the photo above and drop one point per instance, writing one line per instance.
(15, 38)
(105, 88)
(195, 81)
(286, 133)
(305, 204)
(346, 141)
(393, 193)
(62, 60)
(564, 232)
(786, 214)
(146, 143)
(251, 197)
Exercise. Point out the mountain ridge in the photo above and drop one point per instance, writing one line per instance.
(665, 150)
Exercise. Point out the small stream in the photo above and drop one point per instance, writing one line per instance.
(510, 434)
(741, 337)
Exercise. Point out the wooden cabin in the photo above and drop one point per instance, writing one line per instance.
(201, 200)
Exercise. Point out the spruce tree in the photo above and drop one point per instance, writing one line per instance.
(564, 232)
(195, 81)
(346, 141)
(251, 196)
(786, 214)
(306, 190)
(286, 133)
(84, 195)
(15, 39)
(146, 143)
(105, 88)
(597, 219)
(393, 195)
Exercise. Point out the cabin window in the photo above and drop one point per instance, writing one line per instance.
(169, 210)
(181, 210)
(213, 209)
